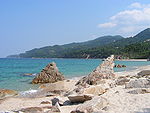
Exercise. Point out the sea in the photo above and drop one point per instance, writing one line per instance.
(13, 70)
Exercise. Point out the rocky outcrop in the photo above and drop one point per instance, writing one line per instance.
(7, 93)
(80, 98)
(92, 106)
(103, 71)
(144, 73)
(138, 83)
(49, 74)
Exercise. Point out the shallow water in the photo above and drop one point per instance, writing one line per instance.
(12, 70)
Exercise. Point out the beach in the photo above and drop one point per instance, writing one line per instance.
(120, 97)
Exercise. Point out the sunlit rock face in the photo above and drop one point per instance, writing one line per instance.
(49, 74)
(103, 71)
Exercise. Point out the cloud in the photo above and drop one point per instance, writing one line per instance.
(130, 20)
(136, 5)
(107, 25)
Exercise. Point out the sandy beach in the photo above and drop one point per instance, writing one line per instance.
(119, 100)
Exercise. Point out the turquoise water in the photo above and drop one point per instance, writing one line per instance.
(12, 70)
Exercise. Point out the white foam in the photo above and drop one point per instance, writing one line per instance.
(28, 92)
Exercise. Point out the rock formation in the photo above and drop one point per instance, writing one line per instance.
(49, 74)
(7, 93)
(103, 71)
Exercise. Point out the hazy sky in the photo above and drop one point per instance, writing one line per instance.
(28, 24)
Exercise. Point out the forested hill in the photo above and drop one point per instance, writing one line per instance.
(59, 51)
(132, 47)
(140, 37)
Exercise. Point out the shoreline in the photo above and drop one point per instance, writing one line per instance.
(80, 58)
(118, 97)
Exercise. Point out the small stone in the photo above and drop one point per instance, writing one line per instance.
(80, 98)
(57, 100)
(45, 102)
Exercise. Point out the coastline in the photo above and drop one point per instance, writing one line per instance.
(119, 100)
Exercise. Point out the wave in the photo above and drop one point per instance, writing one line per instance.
(28, 93)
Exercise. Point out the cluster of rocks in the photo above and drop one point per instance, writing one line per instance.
(139, 83)
(49, 74)
(89, 97)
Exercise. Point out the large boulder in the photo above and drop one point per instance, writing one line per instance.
(94, 90)
(138, 83)
(7, 93)
(49, 74)
(144, 73)
(80, 98)
(92, 106)
(103, 71)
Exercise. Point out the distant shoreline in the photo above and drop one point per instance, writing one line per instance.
(131, 60)
(85, 59)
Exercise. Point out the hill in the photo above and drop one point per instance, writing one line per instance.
(137, 46)
(60, 51)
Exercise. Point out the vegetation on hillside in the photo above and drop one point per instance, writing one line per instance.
(132, 47)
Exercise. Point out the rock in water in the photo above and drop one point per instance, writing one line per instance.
(49, 74)
(103, 71)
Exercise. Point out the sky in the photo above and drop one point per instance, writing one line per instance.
(28, 24)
